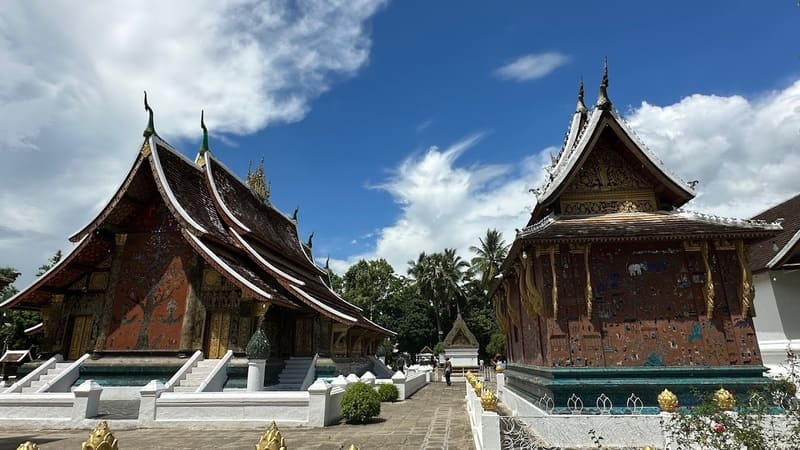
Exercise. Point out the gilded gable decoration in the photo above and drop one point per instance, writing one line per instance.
(746, 290)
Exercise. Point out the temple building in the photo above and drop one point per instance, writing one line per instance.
(775, 262)
(186, 256)
(612, 288)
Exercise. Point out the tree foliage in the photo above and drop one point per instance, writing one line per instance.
(489, 255)
(14, 322)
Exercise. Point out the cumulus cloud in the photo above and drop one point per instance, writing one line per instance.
(744, 152)
(444, 205)
(532, 66)
(70, 94)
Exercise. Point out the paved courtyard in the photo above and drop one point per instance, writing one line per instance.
(434, 418)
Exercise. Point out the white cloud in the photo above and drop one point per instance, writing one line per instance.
(744, 152)
(444, 205)
(70, 94)
(532, 66)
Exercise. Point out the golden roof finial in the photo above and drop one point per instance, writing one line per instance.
(150, 130)
(603, 102)
(258, 183)
(272, 439)
(101, 439)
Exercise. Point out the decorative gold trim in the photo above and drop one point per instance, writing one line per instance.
(667, 401)
(512, 311)
(145, 148)
(554, 292)
(746, 290)
(588, 281)
(724, 244)
(708, 287)
(533, 300)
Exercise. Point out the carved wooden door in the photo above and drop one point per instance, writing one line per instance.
(303, 334)
(217, 334)
(81, 335)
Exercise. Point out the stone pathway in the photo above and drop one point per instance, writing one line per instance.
(434, 418)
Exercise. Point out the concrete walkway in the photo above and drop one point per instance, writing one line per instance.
(434, 418)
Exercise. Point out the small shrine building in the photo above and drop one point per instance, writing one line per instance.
(461, 346)
(187, 256)
(613, 288)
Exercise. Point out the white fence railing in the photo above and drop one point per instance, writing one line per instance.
(184, 370)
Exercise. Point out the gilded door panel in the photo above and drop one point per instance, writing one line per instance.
(219, 325)
(81, 334)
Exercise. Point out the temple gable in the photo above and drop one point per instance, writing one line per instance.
(607, 182)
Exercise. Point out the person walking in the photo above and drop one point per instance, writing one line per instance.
(448, 369)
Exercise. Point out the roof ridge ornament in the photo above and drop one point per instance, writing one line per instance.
(257, 182)
(580, 107)
(294, 214)
(204, 146)
(603, 102)
(201, 154)
(310, 242)
(150, 130)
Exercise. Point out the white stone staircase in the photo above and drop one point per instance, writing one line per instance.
(51, 373)
(292, 376)
(196, 376)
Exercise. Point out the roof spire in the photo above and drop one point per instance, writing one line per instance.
(204, 145)
(580, 107)
(151, 129)
(294, 214)
(257, 182)
(310, 242)
(328, 263)
(603, 101)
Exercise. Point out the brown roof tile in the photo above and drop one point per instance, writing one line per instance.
(762, 252)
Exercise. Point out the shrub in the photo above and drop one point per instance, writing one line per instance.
(388, 392)
(360, 403)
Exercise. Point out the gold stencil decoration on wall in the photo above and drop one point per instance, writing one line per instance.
(708, 287)
(746, 290)
(554, 292)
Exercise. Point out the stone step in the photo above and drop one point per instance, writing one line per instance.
(207, 363)
(62, 365)
(184, 388)
(194, 379)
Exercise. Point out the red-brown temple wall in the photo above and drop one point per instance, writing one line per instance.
(648, 309)
(150, 297)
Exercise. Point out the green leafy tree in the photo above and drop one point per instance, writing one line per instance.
(49, 264)
(406, 312)
(489, 255)
(367, 284)
(14, 322)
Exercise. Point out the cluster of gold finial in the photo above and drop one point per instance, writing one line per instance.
(724, 399)
(28, 445)
(498, 368)
(489, 401)
(101, 439)
(668, 401)
(478, 388)
(272, 439)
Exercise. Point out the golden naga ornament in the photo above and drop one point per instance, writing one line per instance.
(28, 445)
(668, 401)
(272, 439)
(489, 401)
(724, 399)
(101, 439)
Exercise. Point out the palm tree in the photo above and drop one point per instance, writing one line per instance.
(438, 277)
(489, 256)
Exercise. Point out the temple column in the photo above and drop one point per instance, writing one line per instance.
(111, 290)
(192, 326)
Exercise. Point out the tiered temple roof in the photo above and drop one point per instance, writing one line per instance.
(783, 249)
(233, 228)
(606, 185)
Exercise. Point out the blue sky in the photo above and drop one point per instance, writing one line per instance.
(392, 125)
